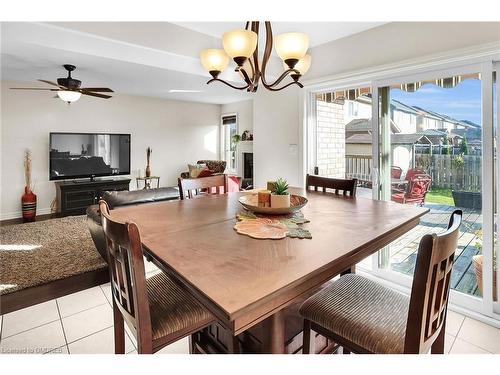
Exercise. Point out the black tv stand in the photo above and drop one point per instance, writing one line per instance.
(74, 196)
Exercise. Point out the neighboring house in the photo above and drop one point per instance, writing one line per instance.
(364, 126)
(402, 145)
(407, 119)
(344, 134)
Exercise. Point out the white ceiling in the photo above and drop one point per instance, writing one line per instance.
(319, 32)
(136, 58)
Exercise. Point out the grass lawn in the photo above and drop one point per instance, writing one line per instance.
(440, 196)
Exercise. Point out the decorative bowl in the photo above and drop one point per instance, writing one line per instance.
(250, 202)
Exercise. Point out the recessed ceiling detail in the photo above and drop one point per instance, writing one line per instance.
(135, 58)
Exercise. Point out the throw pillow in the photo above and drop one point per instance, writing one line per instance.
(205, 173)
(195, 170)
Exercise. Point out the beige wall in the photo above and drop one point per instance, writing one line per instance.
(244, 110)
(276, 136)
(178, 132)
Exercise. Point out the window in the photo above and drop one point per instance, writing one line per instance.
(229, 130)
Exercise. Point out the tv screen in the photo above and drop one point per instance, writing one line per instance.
(80, 155)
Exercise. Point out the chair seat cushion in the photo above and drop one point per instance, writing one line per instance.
(361, 311)
(172, 308)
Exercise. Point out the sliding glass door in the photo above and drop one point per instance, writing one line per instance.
(431, 155)
(435, 142)
(495, 279)
(427, 139)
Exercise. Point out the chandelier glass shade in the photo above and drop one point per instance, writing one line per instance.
(214, 60)
(242, 46)
(239, 44)
(69, 96)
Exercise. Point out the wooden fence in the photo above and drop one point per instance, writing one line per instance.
(450, 172)
(446, 171)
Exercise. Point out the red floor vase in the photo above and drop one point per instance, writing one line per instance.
(29, 205)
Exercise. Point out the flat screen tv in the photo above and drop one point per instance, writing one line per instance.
(84, 155)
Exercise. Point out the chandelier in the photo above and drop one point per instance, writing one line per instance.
(242, 46)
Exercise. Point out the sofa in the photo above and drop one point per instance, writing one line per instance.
(215, 166)
(123, 198)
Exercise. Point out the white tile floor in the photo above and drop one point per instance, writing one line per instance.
(83, 323)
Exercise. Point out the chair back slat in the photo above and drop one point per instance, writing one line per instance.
(126, 267)
(206, 185)
(431, 287)
(346, 186)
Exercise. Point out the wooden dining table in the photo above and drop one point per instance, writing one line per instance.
(245, 281)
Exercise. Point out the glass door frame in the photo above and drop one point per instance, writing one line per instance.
(496, 69)
(310, 134)
(480, 307)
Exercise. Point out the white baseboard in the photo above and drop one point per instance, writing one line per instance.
(19, 214)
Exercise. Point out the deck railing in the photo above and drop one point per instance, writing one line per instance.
(359, 166)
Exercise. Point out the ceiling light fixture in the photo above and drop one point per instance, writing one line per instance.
(242, 46)
(69, 96)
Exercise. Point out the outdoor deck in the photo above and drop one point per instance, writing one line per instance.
(404, 250)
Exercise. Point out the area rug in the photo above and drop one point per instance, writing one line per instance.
(32, 254)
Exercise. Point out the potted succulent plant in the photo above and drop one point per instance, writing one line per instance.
(279, 195)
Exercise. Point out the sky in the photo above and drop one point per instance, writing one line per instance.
(463, 102)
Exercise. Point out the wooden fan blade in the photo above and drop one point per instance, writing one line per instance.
(31, 88)
(96, 95)
(51, 83)
(97, 89)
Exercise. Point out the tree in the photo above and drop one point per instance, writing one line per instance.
(464, 147)
(446, 146)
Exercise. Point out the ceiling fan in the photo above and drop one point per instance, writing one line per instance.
(68, 89)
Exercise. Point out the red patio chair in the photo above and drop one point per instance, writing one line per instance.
(412, 172)
(415, 192)
(396, 172)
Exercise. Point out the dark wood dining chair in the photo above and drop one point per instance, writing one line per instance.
(335, 185)
(157, 310)
(202, 186)
(363, 316)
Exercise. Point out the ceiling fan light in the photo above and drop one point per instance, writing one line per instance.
(239, 44)
(291, 47)
(69, 96)
(302, 65)
(214, 61)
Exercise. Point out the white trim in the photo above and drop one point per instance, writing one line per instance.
(19, 214)
(496, 68)
(488, 183)
(222, 149)
(478, 53)
(308, 133)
